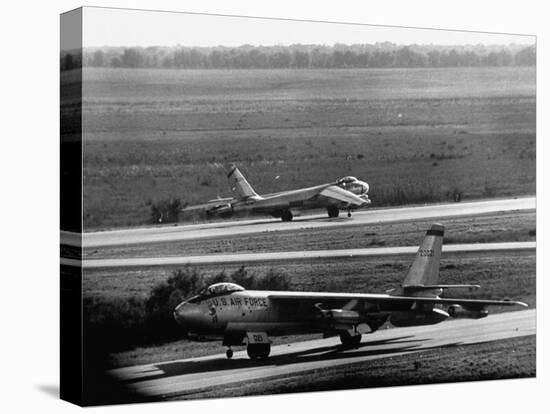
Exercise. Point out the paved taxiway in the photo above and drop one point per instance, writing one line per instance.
(187, 376)
(289, 256)
(231, 228)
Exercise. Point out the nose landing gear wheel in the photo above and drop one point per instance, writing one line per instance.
(349, 213)
(229, 353)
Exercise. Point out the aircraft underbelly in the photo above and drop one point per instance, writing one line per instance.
(273, 328)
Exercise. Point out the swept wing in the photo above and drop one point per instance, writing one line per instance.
(381, 299)
(342, 195)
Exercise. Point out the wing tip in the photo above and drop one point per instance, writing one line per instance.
(523, 304)
(514, 302)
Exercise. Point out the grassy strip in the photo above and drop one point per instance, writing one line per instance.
(490, 228)
(500, 274)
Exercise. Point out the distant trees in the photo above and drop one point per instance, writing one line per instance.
(132, 58)
(380, 55)
(98, 59)
(526, 57)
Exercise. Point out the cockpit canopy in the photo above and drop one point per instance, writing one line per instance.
(347, 179)
(353, 185)
(217, 289)
(221, 289)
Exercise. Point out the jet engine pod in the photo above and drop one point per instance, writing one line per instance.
(224, 211)
(341, 318)
(432, 317)
(458, 311)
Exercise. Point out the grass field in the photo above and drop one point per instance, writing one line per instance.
(510, 274)
(415, 135)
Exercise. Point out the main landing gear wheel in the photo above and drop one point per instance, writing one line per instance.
(286, 216)
(229, 353)
(333, 211)
(258, 351)
(350, 340)
(349, 213)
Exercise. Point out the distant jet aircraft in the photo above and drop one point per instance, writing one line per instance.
(348, 193)
(228, 311)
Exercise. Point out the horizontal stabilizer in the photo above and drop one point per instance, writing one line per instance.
(197, 207)
(208, 206)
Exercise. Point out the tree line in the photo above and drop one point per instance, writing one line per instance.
(380, 55)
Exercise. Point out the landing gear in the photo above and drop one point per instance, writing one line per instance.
(229, 340)
(333, 211)
(258, 351)
(350, 340)
(286, 215)
(349, 213)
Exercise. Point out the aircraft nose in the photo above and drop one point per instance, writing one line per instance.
(364, 187)
(364, 192)
(180, 313)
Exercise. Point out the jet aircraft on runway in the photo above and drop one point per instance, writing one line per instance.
(228, 311)
(348, 193)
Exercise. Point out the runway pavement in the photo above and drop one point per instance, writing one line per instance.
(288, 256)
(242, 227)
(187, 376)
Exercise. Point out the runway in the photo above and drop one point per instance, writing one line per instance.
(243, 227)
(187, 376)
(289, 256)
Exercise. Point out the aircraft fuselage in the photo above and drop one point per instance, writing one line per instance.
(331, 196)
(250, 310)
(229, 310)
(241, 312)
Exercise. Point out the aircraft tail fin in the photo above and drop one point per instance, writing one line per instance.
(425, 269)
(243, 189)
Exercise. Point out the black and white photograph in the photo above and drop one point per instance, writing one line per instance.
(255, 206)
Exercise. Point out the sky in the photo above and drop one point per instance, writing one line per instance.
(123, 27)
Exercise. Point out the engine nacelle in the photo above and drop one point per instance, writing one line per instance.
(341, 318)
(222, 210)
(411, 318)
(458, 311)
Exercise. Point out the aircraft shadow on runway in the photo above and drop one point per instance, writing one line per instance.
(323, 353)
(297, 219)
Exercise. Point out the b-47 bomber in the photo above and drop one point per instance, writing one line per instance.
(348, 193)
(235, 315)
